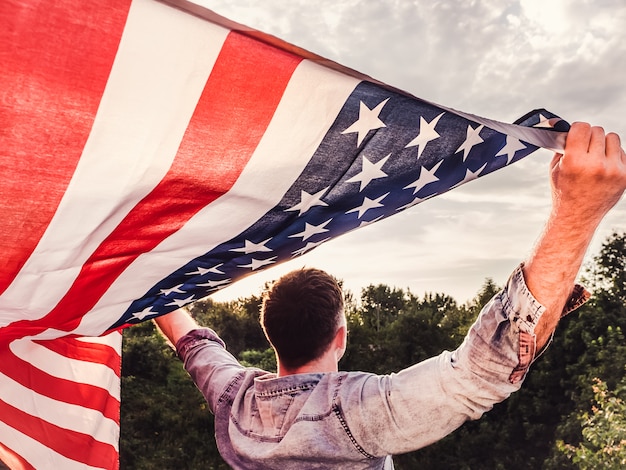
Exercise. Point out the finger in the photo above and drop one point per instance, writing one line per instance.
(597, 142)
(578, 137)
(555, 161)
(613, 145)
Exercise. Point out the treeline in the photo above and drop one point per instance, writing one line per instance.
(569, 414)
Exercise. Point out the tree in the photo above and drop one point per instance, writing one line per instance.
(165, 422)
(265, 360)
(236, 322)
(603, 443)
(380, 305)
(608, 272)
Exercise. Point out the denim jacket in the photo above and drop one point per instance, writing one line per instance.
(357, 420)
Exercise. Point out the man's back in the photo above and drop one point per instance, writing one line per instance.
(357, 419)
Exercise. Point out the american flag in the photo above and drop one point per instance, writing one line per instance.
(153, 153)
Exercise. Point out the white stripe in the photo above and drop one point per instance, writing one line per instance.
(65, 415)
(37, 454)
(160, 70)
(62, 367)
(544, 138)
(310, 104)
(113, 339)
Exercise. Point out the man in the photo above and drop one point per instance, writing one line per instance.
(310, 415)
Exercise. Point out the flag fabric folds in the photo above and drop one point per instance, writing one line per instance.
(60, 401)
(153, 153)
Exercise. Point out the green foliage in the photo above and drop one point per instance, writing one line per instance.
(394, 329)
(236, 322)
(165, 422)
(603, 432)
(608, 273)
(381, 305)
(265, 360)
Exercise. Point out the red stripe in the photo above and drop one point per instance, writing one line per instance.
(14, 461)
(235, 108)
(89, 352)
(71, 444)
(66, 391)
(56, 57)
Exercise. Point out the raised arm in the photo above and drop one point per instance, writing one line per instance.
(587, 181)
(176, 324)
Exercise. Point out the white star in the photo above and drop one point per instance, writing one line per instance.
(546, 122)
(512, 146)
(472, 138)
(251, 247)
(202, 271)
(176, 289)
(470, 175)
(214, 283)
(258, 263)
(370, 171)
(180, 302)
(426, 176)
(310, 230)
(368, 204)
(368, 121)
(146, 312)
(427, 134)
(309, 200)
(308, 246)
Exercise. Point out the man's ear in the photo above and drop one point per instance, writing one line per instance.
(340, 341)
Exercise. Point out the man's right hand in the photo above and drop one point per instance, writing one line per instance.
(590, 177)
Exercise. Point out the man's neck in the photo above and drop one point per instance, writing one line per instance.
(322, 365)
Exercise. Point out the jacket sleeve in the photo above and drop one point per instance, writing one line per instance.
(210, 366)
(402, 412)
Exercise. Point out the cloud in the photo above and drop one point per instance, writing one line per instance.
(490, 57)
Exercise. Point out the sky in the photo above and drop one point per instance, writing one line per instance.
(494, 58)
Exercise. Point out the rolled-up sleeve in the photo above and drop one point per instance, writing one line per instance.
(420, 405)
(210, 366)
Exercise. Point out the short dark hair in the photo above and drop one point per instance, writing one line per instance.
(300, 315)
